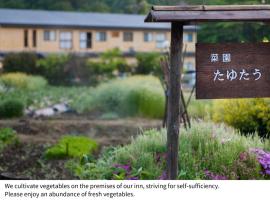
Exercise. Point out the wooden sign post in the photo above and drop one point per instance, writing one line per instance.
(173, 99)
(221, 76)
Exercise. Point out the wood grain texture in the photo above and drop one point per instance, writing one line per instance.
(173, 118)
(211, 7)
(243, 56)
(203, 13)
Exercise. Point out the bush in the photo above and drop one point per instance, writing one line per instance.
(11, 108)
(110, 64)
(149, 63)
(206, 151)
(247, 115)
(20, 62)
(134, 96)
(7, 137)
(72, 70)
(71, 147)
(53, 68)
(46, 97)
(23, 81)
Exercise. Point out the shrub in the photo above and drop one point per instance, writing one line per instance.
(23, 81)
(14, 80)
(71, 70)
(108, 66)
(20, 62)
(206, 151)
(71, 147)
(78, 70)
(7, 137)
(247, 115)
(114, 60)
(133, 96)
(48, 96)
(36, 83)
(11, 108)
(148, 63)
(53, 68)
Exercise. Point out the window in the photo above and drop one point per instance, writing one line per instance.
(65, 40)
(128, 36)
(101, 36)
(34, 37)
(25, 38)
(85, 40)
(148, 37)
(160, 40)
(49, 35)
(188, 37)
(115, 34)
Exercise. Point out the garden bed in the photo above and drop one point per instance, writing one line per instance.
(106, 132)
(26, 159)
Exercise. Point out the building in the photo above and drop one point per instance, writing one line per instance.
(47, 32)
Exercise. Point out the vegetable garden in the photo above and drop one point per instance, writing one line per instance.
(108, 125)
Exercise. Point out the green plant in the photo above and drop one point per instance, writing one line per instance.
(53, 68)
(36, 83)
(20, 62)
(247, 115)
(148, 63)
(71, 147)
(206, 151)
(7, 137)
(48, 96)
(114, 60)
(109, 116)
(108, 66)
(133, 96)
(23, 81)
(11, 108)
(71, 69)
(199, 109)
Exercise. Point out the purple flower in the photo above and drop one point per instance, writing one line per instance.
(243, 156)
(133, 178)
(213, 176)
(163, 176)
(263, 158)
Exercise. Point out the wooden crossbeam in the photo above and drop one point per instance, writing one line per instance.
(187, 14)
(211, 8)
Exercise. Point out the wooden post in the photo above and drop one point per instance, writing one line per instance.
(173, 101)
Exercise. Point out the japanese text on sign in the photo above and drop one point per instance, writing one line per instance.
(230, 75)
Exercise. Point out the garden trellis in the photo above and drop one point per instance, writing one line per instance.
(179, 16)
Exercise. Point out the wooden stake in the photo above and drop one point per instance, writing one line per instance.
(173, 100)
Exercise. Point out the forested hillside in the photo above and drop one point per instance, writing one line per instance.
(126, 6)
(218, 32)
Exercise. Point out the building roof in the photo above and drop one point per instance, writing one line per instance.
(41, 18)
(189, 14)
